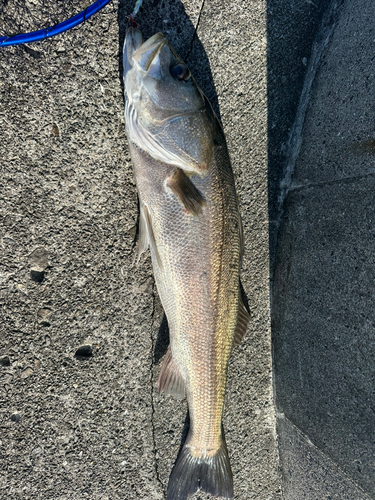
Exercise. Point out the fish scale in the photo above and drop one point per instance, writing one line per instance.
(190, 220)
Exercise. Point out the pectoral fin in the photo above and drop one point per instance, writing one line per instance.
(170, 380)
(185, 191)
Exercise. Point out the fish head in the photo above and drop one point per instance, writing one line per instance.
(166, 113)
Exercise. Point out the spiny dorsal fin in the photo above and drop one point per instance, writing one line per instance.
(242, 323)
(146, 236)
(170, 380)
(185, 191)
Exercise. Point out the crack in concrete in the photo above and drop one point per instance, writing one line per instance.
(195, 31)
(332, 182)
(295, 137)
(152, 383)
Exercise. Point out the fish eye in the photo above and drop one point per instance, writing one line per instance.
(180, 72)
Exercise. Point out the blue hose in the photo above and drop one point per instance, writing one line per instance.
(35, 36)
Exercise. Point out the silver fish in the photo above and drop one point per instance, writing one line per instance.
(189, 218)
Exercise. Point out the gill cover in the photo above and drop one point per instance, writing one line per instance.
(165, 115)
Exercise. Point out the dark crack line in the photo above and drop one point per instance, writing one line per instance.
(294, 142)
(195, 31)
(152, 382)
(332, 182)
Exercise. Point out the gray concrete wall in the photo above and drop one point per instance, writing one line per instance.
(292, 32)
(323, 296)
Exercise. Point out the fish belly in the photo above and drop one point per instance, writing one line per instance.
(196, 266)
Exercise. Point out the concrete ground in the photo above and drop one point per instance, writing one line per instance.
(82, 332)
(92, 426)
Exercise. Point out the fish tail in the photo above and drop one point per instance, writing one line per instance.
(211, 473)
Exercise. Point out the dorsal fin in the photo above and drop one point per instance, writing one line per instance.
(170, 380)
(242, 242)
(242, 324)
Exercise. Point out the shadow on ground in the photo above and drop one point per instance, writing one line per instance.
(323, 261)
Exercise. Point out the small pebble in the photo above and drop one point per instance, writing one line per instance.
(44, 313)
(39, 259)
(38, 262)
(55, 130)
(15, 417)
(26, 373)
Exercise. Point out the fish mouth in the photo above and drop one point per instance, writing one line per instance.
(144, 54)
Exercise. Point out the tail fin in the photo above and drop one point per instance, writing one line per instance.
(212, 474)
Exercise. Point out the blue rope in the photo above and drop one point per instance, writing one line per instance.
(35, 36)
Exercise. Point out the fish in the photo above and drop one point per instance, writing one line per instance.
(189, 219)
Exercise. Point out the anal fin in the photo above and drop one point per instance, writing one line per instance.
(170, 380)
(185, 191)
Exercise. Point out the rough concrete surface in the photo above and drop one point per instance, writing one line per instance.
(292, 28)
(308, 473)
(82, 331)
(80, 335)
(323, 296)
